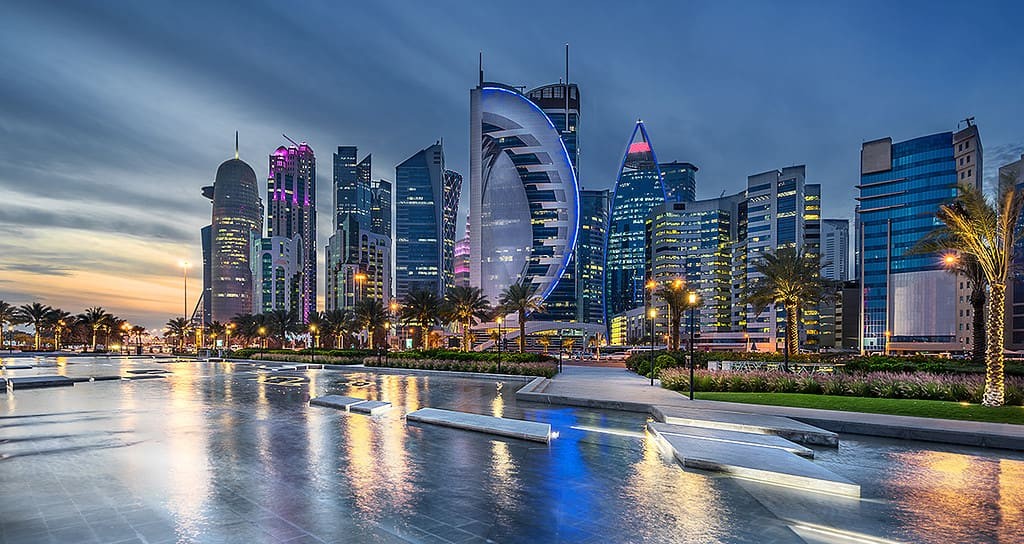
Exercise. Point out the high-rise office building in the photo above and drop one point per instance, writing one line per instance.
(524, 199)
(237, 222)
(291, 213)
(422, 261)
(206, 234)
(277, 273)
(835, 249)
(638, 190)
(462, 260)
(589, 255)
(351, 196)
(449, 222)
(380, 207)
(1013, 174)
(909, 300)
(680, 179)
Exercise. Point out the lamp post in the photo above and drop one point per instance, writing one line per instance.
(227, 335)
(263, 341)
(746, 342)
(653, 315)
(651, 285)
(949, 260)
(692, 299)
(391, 318)
(501, 338)
(312, 342)
(387, 329)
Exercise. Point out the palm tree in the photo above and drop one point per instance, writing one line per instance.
(35, 314)
(176, 328)
(372, 316)
(791, 279)
(466, 306)
(520, 298)
(545, 340)
(283, 322)
(567, 344)
(678, 302)
(7, 314)
(988, 232)
(423, 308)
(59, 322)
(138, 331)
(216, 329)
(338, 324)
(95, 318)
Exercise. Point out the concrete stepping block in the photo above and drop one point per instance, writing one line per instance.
(733, 437)
(35, 382)
(16, 367)
(758, 463)
(370, 407)
(340, 402)
(514, 428)
(785, 427)
(83, 379)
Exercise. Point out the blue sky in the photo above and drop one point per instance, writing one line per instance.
(113, 115)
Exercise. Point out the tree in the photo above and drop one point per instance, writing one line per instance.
(178, 327)
(138, 331)
(988, 232)
(545, 340)
(567, 344)
(372, 316)
(791, 279)
(466, 306)
(678, 302)
(95, 318)
(340, 325)
(216, 329)
(282, 322)
(520, 298)
(60, 322)
(34, 314)
(424, 309)
(7, 317)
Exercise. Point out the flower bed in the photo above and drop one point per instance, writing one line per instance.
(480, 356)
(324, 358)
(546, 368)
(890, 385)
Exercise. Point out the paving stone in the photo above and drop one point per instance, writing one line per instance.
(34, 382)
(768, 465)
(370, 407)
(753, 439)
(515, 428)
(340, 402)
(744, 422)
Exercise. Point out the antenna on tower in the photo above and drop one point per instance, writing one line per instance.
(481, 68)
(296, 144)
(566, 87)
(236, 144)
(969, 121)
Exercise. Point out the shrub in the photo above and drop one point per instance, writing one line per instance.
(546, 369)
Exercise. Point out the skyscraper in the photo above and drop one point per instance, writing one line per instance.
(351, 195)
(291, 213)
(237, 222)
(380, 207)
(462, 260)
(910, 302)
(835, 249)
(449, 221)
(680, 179)
(277, 274)
(1013, 174)
(589, 255)
(422, 258)
(524, 201)
(638, 190)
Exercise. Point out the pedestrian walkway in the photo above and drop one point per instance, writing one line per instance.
(620, 389)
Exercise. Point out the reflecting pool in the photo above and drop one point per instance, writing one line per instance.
(215, 452)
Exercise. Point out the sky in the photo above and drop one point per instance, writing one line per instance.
(113, 115)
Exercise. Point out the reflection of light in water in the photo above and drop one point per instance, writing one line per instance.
(504, 476)
(936, 492)
(686, 501)
(498, 406)
(188, 472)
(412, 394)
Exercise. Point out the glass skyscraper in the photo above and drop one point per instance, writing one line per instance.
(680, 180)
(424, 260)
(909, 299)
(291, 213)
(237, 224)
(589, 256)
(639, 189)
(524, 203)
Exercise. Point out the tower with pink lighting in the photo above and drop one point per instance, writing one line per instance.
(291, 214)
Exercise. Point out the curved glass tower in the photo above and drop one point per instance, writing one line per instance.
(524, 204)
(637, 191)
(237, 223)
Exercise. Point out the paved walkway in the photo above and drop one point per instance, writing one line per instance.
(620, 389)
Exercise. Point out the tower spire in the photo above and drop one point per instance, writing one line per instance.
(481, 68)
(236, 144)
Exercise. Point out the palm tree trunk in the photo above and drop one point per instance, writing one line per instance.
(978, 307)
(522, 331)
(792, 334)
(676, 323)
(994, 355)
(465, 336)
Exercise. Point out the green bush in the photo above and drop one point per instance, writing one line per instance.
(546, 369)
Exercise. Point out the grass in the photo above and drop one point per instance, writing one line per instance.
(901, 407)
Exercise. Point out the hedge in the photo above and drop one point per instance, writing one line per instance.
(546, 369)
(889, 385)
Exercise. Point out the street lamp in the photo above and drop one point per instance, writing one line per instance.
(653, 315)
(692, 299)
(651, 285)
(313, 336)
(501, 338)
(263, 340)
(387, 339)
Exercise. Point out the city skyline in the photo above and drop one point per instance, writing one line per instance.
(121, 132)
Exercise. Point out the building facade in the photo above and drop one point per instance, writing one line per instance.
(589, 255)
(835, 249)
(277, 271)
(1013, 174)
(420, 212)
(909, 300)
(638, 190)
(524, 197)
(237, 222)
(291, 213)
(358, 266)
(680, 179)
(449, 224)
